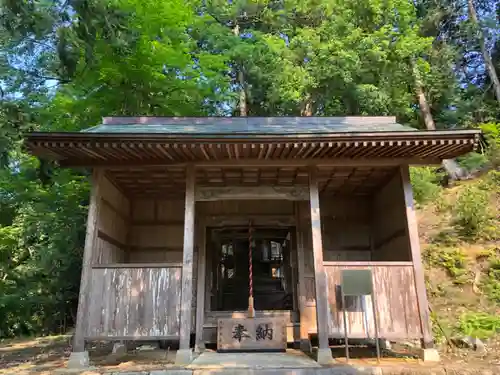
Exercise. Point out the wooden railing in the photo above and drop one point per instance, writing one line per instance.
(134, 301)
(395, 297)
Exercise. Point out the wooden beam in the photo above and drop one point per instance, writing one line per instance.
(412, 230)
(131, 338)
(200, 288)
(367, 264)
(138, 265)
(255, 162)
(305, 343)
(255, 192)
(324, 353)
(148, 223)
(155, 248)
(107, 238)
(242, 220)
(187, 261)
(90, 242)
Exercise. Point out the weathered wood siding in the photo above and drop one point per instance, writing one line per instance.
(391, 242)
(157, 235)
(396, 302)
(134, 302)
(346, 234)
(113, 226)
(157, 231)
(346, 228)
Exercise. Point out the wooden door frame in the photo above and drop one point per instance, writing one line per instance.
(289, 223)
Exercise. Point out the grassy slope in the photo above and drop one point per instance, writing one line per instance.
(463, 265)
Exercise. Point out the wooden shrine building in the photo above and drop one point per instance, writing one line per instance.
(188, 217)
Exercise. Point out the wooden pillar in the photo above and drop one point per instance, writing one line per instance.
(412, 233)
(324, 352)
(305, 343)
(184, 353)
(209, 272)
(200, 289)
(90, 242)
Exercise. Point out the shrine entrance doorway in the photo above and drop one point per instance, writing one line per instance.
(269, 274)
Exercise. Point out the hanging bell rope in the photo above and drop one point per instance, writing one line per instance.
(251, 309)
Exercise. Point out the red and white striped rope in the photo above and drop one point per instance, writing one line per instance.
(250, 266)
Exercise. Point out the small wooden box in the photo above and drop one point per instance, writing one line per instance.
(251, 334)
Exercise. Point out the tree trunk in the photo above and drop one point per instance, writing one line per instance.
(307, 109)
(243, 94)
(453, 170)
(425, 109)
(241, 82)
(486, 56)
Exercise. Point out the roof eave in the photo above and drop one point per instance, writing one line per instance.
(248, 137)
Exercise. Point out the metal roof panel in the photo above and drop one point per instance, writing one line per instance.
(246, 125)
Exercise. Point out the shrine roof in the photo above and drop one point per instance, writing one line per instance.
(241, 126)
(178, 140)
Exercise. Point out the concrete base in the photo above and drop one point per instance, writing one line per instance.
(292, 359)
(305, 346)
(383, 343)
(78, 360)
(119, 349)
(183, 357)
(429, 355)
(325, 356)
(199, 347)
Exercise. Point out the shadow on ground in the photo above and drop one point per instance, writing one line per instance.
(41, 353)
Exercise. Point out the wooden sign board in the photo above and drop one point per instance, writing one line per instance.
(251, 334)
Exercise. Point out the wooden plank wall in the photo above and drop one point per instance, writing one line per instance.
(157, 231)
(157, 235)
(391, 242)
(346, 229)
(346, 237)
(396, 304)
(113, 226)
(134, 303)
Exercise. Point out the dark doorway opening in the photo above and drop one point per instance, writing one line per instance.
(271, 263)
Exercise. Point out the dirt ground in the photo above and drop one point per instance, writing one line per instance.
(47, 355)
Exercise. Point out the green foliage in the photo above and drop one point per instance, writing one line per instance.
(488, 156)
(493, 178)
(479, 324)
(473, 161)
(446, 237)
(473, 217)
(438, 327)
(452, 259)
(41, 240)
(425, 183)
(491, 132)
(490, 282)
